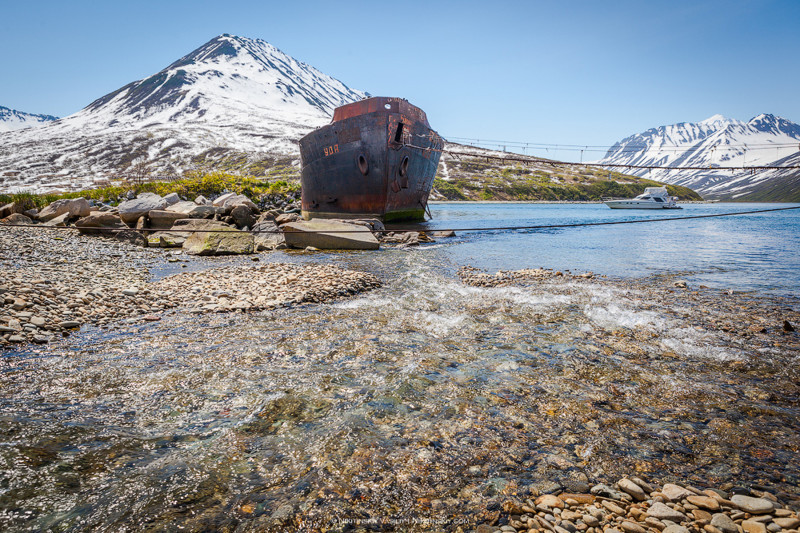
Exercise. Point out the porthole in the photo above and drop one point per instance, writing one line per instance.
(363, 164)
(403, 170)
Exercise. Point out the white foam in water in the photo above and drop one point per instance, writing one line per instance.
(438, 324)
(613, 316)
(697, 346)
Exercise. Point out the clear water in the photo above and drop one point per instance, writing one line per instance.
(423, 402)
(749, 252)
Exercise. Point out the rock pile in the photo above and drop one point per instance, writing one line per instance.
(52, 283)
(503, 278)
(169, 222)
(263, 287)
(632, 505)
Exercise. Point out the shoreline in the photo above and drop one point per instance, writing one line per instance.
(482, 497)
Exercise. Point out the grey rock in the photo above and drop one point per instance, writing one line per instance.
(172, 198)
(283, 514)
(192, 210)
(202, 200)
(632, 488)
(286, 218)
(16, 219)
(675, 528)
(327, 235)
(243, 216)
(163, 219)
(167, 239)
(69, 324)
(131, 210)
(602, 489)
(267, 236)
(60, 220)
(752, 505)
(674, 492)
(223, 242)
(99, 223)
(662, 512)
(76, 207)
(132, 237)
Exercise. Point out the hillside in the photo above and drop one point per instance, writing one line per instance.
(476, 177)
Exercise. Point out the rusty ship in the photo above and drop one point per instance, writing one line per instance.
(376, 159)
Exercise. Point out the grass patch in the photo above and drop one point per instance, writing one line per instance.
(193, 185)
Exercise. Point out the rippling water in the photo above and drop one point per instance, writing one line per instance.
(747, 252)
(425, 400)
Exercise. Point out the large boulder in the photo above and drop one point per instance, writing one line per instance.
(181, 230)
(231, 200)
(220, 200)
(131, 210)
(329, 235)
(223, 242)
(267, 236)
(286, 218)
(16, 219)
(167, 239)
(60, 220)
(164, 219)
(242, 215)
(10, 209)
(193, 210)
(194, 224)
(76, 207)
(132, 237)
(172, 198)
(99, 222)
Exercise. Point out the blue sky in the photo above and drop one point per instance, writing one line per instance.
(555, 72)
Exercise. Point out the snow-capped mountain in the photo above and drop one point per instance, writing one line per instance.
(233, 97)
(714, 143)
(11, 119)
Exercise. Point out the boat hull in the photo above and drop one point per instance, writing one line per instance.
(631, 204)
(377, 159)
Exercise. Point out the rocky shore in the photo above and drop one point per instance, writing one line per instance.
(632, 505)
(401, 421)
(54, 282)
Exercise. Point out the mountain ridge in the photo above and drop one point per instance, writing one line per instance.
(230, 97)
(715, 144)
(13, 119)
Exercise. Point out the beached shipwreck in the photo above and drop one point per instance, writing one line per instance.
(376, 159)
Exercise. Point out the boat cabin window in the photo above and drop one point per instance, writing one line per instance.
(658, 199)
(398, 136)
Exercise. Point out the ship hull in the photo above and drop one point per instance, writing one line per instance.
(377, 159)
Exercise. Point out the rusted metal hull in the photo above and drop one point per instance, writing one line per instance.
(377, 159)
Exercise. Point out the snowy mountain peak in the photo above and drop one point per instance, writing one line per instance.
(775, 125)
(227, 79)
(232, 99)
(714, 120)
(11, 119)
(713, 147)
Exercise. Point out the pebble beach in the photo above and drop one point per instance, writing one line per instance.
(650, 405)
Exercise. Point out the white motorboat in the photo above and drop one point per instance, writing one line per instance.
(651, 198)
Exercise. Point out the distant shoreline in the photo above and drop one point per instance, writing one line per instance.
(569, 202)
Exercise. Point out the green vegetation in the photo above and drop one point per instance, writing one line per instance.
(194, 184)
(480, 180)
